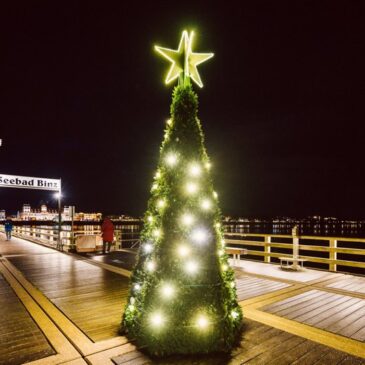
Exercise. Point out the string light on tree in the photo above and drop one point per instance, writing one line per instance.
(195, 170)
(199, 235)
(161, 203)
(167, 291)
(157, 319)
(171, 159)
(191, 267)
(150, 265)
(206, 204)
(183, 250)
(187, 219)
(202, 322)
(147, 248)
(137, 287)
(192, 188)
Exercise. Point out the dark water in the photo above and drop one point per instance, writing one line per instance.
(355, 230)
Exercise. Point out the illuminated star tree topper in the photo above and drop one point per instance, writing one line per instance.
(184, 61)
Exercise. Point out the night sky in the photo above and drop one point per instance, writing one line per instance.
(83, 98)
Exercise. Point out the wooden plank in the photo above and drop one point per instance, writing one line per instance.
(97, 310)
(330, 313)
(302, 316)
(20, 338)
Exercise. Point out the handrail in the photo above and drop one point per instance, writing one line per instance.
(328, 252)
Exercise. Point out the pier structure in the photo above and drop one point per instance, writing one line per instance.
(65, 308)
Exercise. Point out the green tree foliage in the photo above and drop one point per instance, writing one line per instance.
(182, 297)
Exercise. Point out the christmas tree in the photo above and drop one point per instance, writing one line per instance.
(182, 297)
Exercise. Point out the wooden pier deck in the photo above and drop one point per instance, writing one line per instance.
(310, 317)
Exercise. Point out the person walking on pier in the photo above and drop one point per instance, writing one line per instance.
(8, 228)
(107, 232)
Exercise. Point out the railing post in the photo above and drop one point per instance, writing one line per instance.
(333, 254)
(267, 247)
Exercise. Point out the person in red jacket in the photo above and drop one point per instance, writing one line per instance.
(107, 232)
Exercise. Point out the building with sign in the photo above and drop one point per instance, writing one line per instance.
(46, 214)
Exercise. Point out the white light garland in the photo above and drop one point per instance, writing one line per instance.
(147, 248)
(220, 252)
(171, 159)
(199, 235)
(150, 218)
(183, 250)
(157, 319)
(150, 265)
(187, 219)
(137, 287)
(158, 175)
(215, 195)
(206, 204)
(234, 314)
(194, 170)
(202, 322)
(191, 188)
(191, 267)
(156, 233)
(154, 186)
(161, 203)
(208, 165)
(224, 267)
(167, 291)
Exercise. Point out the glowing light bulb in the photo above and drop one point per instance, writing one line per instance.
(154, 186)
(232, 284)
(191, 267)
(191, 188)
(169, 121)
(150, 266)
(223, 242)
(167, 291)
(215, 195)
(234, 314)
(156, 233)
(224, 267)
(202, 322)
(217, 225)
(132, 300)
(158, 175)
(131, 307)
(199, 235)
(183, 250)
(137, 287)
(147, 248)
(206, 204)
(161, 203)
(220, 252)
(150, 218)
(187, 219)
(208, 165)
(171, 159)
(195, 170)
(156, 319)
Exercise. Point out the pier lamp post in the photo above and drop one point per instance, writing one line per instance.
(58, 196)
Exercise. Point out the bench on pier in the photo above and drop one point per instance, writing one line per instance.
(291, 263)
(236, 252)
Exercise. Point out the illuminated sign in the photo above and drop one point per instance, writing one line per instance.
(25, 182)
(184, 60)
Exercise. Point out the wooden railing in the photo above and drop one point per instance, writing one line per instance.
(48, 235)
(332, 252)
